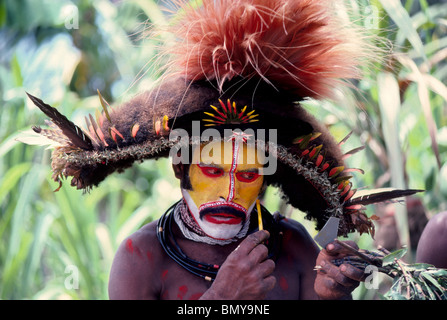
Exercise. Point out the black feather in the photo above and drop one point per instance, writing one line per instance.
(381, 195)
(72, 131)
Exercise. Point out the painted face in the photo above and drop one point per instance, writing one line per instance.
(226, 180)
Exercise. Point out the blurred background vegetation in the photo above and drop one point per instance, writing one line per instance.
(60, 245)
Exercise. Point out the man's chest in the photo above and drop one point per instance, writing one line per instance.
(178, 283)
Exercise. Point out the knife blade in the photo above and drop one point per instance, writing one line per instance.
(328, 233)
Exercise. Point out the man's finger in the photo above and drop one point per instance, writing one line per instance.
(336, 273)
(269, 283)
(259, 253)
(251, 242)
(352, 272)
(267, 267)
(335, 249)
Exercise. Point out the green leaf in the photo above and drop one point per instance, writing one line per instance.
(394, 295)
(390, 106)
(16, 72)
(3, 14)
(418, 266)
(10, 179)
(431, 279)
(389, 259)
(403, 20)
(428, 289)
(438, 272)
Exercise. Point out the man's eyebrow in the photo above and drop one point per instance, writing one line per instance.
(214, 165)
(251, 170)
(202, 164)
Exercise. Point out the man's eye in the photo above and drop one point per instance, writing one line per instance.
(212, 171)
(247, 176)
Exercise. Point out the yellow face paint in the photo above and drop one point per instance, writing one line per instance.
(226, 180)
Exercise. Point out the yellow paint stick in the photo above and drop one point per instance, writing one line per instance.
(258, 207)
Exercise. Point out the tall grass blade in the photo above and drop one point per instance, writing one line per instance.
(389, 103)
(403, 20)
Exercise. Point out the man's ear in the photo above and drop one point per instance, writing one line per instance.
(178, 170)
(263, 188)
(181, 172)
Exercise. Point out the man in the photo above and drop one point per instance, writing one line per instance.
(431, 246)
(236, 66)
(142, 270)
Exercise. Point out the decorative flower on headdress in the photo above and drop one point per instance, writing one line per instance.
(229, 115)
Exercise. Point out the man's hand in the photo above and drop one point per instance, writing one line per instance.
(334, 282)
(246, 273)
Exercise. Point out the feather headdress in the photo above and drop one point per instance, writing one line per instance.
(241, 56)
(303, 47)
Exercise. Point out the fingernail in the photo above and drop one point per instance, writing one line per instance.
(330, 247)
(343, 268)
(322, 263)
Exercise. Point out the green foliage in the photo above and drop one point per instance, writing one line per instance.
(57, 245)
(63, 51)
(399, 110)
(418, 281)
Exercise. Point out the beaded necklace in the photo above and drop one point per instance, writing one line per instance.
(207, 271)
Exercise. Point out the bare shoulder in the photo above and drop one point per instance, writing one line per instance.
(143, 239)
(297, 230)
(438, 224)
(133, 267)
(431, 246)
(297, 239)
(297, 259)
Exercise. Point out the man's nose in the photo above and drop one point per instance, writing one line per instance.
(228, 187)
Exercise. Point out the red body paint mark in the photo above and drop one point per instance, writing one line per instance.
(131, 248)
(129, 245)
(181, 292)
(149, 256)
(283, 284)
(164, 274)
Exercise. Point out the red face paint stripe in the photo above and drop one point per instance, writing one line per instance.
(233, 170)
(220, 203)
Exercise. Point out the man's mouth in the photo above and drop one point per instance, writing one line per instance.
(222, 218)
(219, 213)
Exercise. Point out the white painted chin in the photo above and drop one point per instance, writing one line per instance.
(221, 231)
(219, 227)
